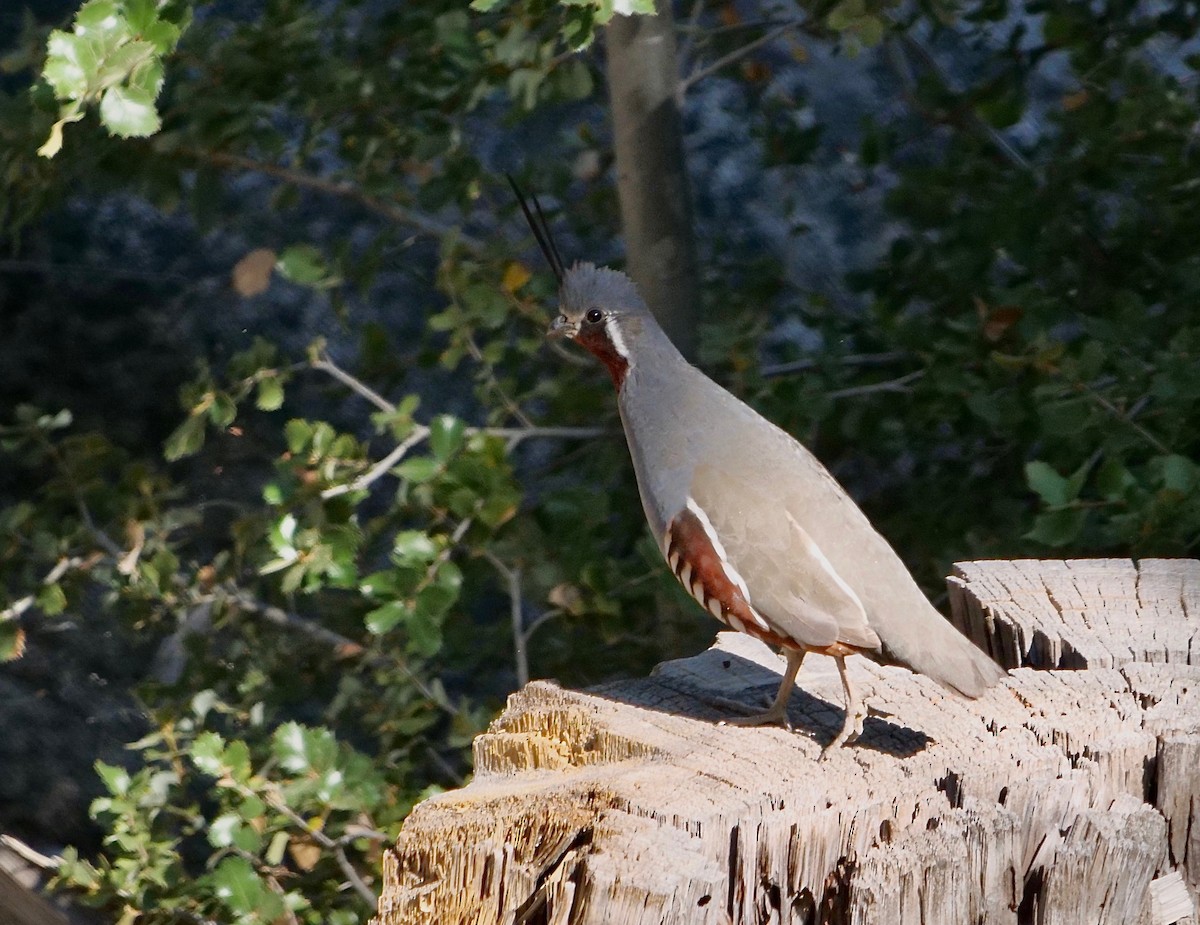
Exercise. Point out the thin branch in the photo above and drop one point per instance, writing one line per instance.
(353, 383)
(1127, 418)
(519, 434)
(975, 122)
(685, 83)
(514, 435)
(279, 804)
(30, 855)
(342, 645)
(61, 567)
(545, 617)
(512, 577)
(891, 385)
(852, 359)
(511, 406)
(340, 188)
(381, 468)
(689, 32)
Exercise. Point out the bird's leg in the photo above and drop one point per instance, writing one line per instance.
(777, 712)
(855, 714)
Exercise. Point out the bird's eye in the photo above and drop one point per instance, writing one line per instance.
(594, 316)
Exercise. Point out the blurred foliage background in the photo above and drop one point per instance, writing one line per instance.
(294, 493)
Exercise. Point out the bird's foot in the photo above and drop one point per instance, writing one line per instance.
(776, 715)
(851, 729)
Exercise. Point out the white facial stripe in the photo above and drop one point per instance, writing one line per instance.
(614, 336)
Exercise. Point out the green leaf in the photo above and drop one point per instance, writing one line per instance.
(52, 600)
(223, 830)
(270, 394)
(300, 749)
(1057, 528)
(208, 753)
(239, 888)
(298, 434)
(425, 628)
(413, 547)
(99, 17)
(1177, 473)
(223, 410)
(418, 469)
(116, 779)
(445, 435)
(12, 640)
(304, 265)
(1113, 480)
(64, 70)
(1047, 483)
(385, 618)
(129, 112)
(186, 439)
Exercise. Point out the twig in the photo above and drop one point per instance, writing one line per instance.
(353, 383)
(29, 854)
(545, 617)
(442, 763)
(512, 577)
(61, 567)
(1127, 418)
(381, 468)
(975, 122)
(339, 853)
(852, 359)
(891, 385)
(685, 83)
(511, 406)
(514, 435)
(340, 188)
(689, 32)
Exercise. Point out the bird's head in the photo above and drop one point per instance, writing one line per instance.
(598, 308)
(601, 310)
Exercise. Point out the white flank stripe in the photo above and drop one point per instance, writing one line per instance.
(815, 551)
(673, 561)
(698, 593)
(758, 618)
(714, 607)
(730, 572)
(735, 623)
(685, 576)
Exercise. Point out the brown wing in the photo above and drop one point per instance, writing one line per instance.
(785, 576)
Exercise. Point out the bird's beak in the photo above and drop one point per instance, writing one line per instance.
(561, 327)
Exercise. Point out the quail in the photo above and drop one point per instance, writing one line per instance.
(748, 520)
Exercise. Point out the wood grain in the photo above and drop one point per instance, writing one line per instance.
(1067, 794)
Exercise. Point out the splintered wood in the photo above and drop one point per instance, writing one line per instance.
(1067, 794)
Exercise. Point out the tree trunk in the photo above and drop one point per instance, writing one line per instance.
(652, 184)
(1069, 793)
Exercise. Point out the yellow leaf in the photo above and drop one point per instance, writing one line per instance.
(304, 854)
(515, 276)
(252, 274)
(55, 142)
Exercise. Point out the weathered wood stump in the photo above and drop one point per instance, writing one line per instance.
(1070, 793)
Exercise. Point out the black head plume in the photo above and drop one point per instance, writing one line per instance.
(540, 228)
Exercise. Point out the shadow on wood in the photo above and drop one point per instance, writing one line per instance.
(1061, 796)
